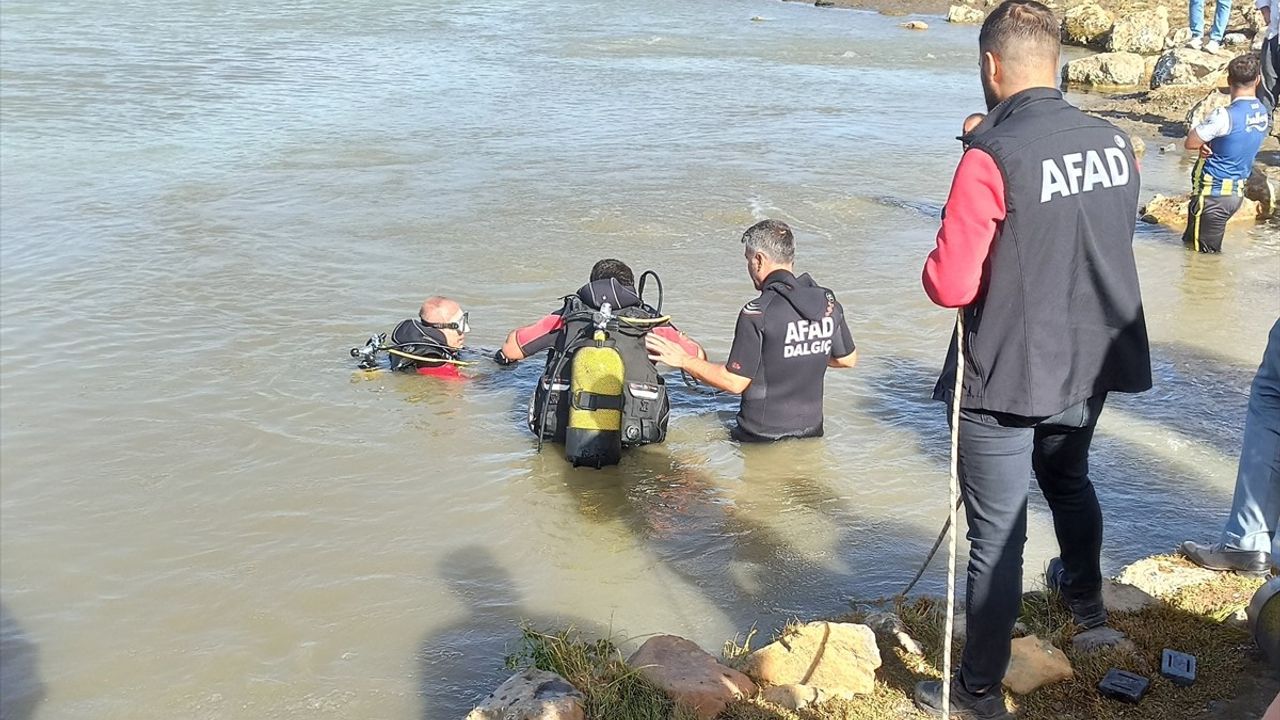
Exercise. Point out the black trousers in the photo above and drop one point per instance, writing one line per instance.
(999, 453)
(1207, 217)
(1269, 93)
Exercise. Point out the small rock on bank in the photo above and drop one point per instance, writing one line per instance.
(965, 15)
(1035, 663)
(690, 675)
(1118, 69)
(799, 697)
(531, 695)
(1101, 638)
(835, 657)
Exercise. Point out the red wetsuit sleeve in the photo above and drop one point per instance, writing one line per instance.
(539, 336)
(673, 334)
(975, 208)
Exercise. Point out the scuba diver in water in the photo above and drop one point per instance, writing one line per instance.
(599, 391)
(783, 344)
(429, 344)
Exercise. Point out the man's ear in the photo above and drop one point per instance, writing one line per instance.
(991, 66)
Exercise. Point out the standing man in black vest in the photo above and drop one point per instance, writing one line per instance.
(1036, 247)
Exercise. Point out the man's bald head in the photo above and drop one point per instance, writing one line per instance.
(439, 309)
(1020, 44)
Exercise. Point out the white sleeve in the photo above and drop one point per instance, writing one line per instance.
(1215, 126)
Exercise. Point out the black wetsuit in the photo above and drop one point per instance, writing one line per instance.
(783, 341)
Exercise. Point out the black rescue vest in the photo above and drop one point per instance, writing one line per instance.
(411, 337)
(1059, 318)
(645, 406)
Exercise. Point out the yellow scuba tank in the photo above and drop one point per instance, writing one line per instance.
(594, 434)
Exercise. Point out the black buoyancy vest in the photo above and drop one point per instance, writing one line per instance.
(645, 403)
(414, 338)
(1059, 318)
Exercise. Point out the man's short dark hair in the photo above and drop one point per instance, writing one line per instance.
(610, 269)
(1021, 30)
(1244, 70)
(773, 238)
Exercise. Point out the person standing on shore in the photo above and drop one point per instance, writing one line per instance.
(1217, 31)
(1036, 248)
(1249, 541)
(1228, 141)
(1269, 93)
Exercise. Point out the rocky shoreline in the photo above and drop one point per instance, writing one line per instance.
(864, 664)
(1139, 76)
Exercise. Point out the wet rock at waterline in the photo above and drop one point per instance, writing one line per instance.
(689, 675)
(835, 657)
(1119, 69)
(915, 25)
(1035, 662)
(1163, 576)
(1171, 211)
(1184, 66)
(1142, 33)
(1087, 25)
(965, 15)
(531, 695)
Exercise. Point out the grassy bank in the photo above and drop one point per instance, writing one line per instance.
(1196, 620)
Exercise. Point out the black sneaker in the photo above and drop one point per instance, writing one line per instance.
(964, 704)
(1087, 611)
(1223, 557)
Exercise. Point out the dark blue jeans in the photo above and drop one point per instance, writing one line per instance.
(998, 455)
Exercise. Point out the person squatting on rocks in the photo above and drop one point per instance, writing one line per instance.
(1228, 141)
(1036, 248)
(435, 338)
(1250, 542)
(1269, 92)
(1217, 31)
(783, 344)
(645, 406)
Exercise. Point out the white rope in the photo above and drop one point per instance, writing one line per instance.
(955, 492)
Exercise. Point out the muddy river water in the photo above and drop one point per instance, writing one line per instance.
(207, 514)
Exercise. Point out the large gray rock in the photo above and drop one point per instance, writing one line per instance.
(834, 657)
(965, 15)
(1035, 663)
(689, 675)
(1184, 66)
(1119, 598)
(531, 695)
(1087, 25)
(1245, 18)
(1106, 70)
(1142, 33)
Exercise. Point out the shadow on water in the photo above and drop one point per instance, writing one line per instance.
(1149, 503)
(780, 542)
(21, 689)
(461, 664)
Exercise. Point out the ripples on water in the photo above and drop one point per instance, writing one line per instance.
(207, 514)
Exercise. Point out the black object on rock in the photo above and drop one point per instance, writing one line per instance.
(1123, 685)
(1178, 667)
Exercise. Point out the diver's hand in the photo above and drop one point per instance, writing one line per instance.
(502, 359)
(665, 352)
(1206, 151)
